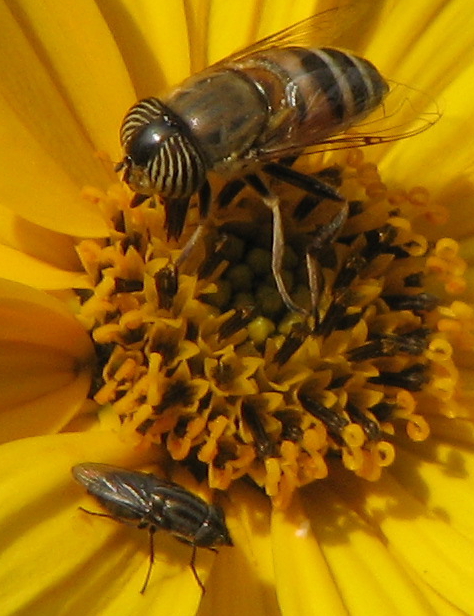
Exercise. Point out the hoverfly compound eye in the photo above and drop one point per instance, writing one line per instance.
(138, 116)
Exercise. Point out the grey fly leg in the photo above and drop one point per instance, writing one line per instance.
(97, 513)
(151, 560)
(278, 245)
(192, 565)
(324, 237)
(142, 524)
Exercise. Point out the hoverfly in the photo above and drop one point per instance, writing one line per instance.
(251, 113)
(144, 500)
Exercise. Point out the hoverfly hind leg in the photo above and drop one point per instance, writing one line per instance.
(321, 240)
(229, 192)
(190, 244)
(278, 242)
(308, 183)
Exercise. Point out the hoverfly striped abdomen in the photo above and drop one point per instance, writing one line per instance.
(352, 86)
(155, 504)
(318, 92)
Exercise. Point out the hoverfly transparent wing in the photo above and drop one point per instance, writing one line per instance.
(320, 29)
(404, 112)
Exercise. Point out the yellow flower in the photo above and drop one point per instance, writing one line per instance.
(344, 453)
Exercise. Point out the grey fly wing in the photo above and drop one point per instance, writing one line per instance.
(122, 492)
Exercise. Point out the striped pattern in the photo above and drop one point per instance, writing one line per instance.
(139, 115)
(352, 86)
(174, 170)
(158, 143)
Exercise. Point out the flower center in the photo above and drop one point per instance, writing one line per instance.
(207, 362)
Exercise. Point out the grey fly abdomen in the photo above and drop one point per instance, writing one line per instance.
(156, 504)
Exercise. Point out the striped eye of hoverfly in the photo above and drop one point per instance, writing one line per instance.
(252, 114)
(148, 502)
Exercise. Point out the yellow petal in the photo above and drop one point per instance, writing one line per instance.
(435, 55)
(448, 470)
(153, 41)
(45, 362)
(439, 554)
(84, 62)
(243, 15)
(400, 27)
(244, 572)
(304, 583)
(37, 257)
(437, 605)
(54, 248)
(46, 158)
(17, 266)
(364, 569)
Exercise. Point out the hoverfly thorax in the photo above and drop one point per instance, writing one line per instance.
(160, 154)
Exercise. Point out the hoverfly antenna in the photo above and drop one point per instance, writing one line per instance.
(124, 164)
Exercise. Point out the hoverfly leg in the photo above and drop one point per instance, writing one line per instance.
(321, 240)
(138, 199)
(190, 244)
(229, 192)
(151, 560)
(278, 245)
(175, 216)
(288, 161)
(308, 183)
(204, 199)
(313, 282)
(192, 565)
(204, 204)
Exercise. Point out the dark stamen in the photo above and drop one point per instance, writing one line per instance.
(237, 321)
(411, 379)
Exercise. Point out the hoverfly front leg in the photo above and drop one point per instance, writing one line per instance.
(278, 243)
(204, 204)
